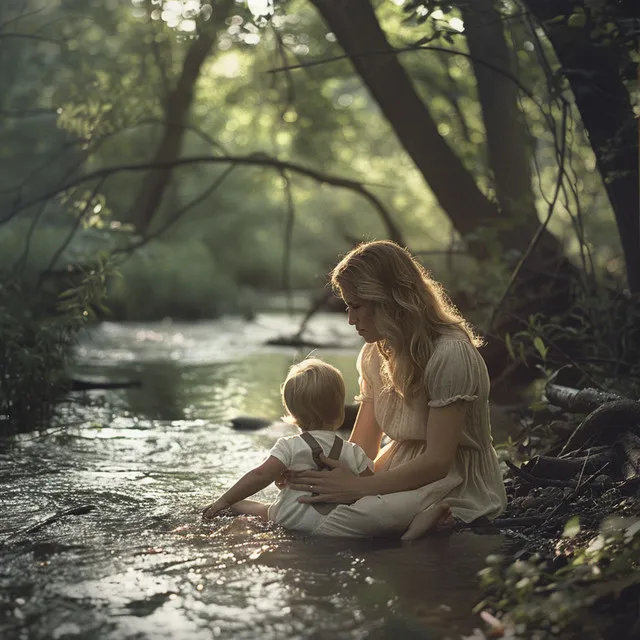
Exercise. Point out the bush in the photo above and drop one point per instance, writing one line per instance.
(37, 331)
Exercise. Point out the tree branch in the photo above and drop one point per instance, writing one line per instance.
(74, 229)
(409, 49)
(30, 36)
(288, 237)
(26, 113)
(256, 159)
(178, 214)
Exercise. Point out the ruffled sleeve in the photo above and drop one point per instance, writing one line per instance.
(362, 459)
(363, 365)
(452, 373)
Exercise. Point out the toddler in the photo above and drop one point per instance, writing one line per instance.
(313, 397)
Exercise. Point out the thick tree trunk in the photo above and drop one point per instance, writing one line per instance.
(358, 32)
(607, 114)
(507, 147)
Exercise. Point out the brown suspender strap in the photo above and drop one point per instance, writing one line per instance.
(336, 449)
(316, 450)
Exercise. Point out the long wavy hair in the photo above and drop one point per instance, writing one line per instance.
(410, 309)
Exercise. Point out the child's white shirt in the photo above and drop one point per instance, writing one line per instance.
(296, 455)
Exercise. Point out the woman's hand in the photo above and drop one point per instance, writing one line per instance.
(284, 480)
(337, 485)
(211, 510)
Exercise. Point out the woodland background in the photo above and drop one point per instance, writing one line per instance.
(187, 159)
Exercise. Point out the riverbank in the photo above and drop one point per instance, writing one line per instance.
(574, 504)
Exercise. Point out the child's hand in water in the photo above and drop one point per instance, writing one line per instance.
(212, 510)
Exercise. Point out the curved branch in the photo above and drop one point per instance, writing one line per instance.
(257, 159)
(399, 50)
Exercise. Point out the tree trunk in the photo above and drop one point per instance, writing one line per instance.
(178, 105)
(358, 32)
(179, 100)
(607, 114)
(507, 146)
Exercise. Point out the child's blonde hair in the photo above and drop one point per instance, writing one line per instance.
(313, 395)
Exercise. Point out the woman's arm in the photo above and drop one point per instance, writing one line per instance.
(443, 435)
(250, 483)
(366, 431)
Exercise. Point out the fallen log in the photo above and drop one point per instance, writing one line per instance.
(578, 400)
(605, 425)
(548, 467)
(630, 446)
(538, 481)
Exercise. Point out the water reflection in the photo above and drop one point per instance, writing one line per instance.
(143, 565)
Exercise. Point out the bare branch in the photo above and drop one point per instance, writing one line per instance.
(54, 157)
(21, 16)
(26, 113)
(288, 237)
(399, 50)
(74, 229)
(31, 36)
(256, 159)
(178, 214)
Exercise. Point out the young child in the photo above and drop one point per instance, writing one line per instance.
(313, 397)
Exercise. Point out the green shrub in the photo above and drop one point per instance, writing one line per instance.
(37, 331)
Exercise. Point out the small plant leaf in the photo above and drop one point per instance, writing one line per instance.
(571, 528)
(540, 347)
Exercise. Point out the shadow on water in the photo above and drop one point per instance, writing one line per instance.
(143, 565)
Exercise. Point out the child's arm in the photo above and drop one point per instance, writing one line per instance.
(251, 482)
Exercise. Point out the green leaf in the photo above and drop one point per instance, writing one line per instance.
(509, 345)
(540, 347)
(523, 356)
(571, 528)
(577, 20)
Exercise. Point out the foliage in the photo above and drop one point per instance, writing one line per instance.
(598, 338)
(35, 342)
(101, 80)
(536, 598)
(32, 375)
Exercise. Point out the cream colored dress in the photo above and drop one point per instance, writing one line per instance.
(473, 487)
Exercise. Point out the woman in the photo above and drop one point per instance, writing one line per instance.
(422, 381)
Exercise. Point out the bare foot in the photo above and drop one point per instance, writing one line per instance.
(437, 517)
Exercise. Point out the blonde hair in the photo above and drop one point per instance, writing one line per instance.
(313, 395)
(410, 309)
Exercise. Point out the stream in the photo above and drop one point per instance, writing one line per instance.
(142, 564)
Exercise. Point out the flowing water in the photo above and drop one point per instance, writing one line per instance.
(142, 565)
